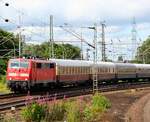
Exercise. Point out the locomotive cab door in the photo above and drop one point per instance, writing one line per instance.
(52, 67)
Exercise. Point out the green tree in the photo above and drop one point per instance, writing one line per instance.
(8, 44)
(66, 51)
(8, 48)
(143, 52)
(120, 58)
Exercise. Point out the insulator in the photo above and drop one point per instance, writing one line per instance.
(6, 20)
(6, 4)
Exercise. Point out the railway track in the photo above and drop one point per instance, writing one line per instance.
(72, 93)
(10, 95)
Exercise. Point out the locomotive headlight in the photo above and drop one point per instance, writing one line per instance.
(26, 79)
(10, 78)
(12, 74)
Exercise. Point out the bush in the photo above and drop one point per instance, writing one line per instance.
(2, 79)
(3, 66)
(73, 113)
(99, 104)
(34, 112)
(56, 112)
(3, 86)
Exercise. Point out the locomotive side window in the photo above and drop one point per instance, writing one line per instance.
(52, 65)
(45, 65)
(38, 65)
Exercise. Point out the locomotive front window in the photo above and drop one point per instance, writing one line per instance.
(18, 64)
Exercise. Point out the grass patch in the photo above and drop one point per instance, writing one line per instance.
(3, 86)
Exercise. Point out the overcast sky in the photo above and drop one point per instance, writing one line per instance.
(118, 14)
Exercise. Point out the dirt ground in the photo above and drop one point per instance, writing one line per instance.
(127, 106)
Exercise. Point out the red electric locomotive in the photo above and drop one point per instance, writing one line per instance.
(22, 74)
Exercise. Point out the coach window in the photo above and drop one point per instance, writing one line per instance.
(103, 69)
(70, 70)
(84, 70)
(61, 70)
(38, 65)
(78, 70)
(64, 68)
(75, 70)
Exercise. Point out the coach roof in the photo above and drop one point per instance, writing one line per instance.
(65, 62)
